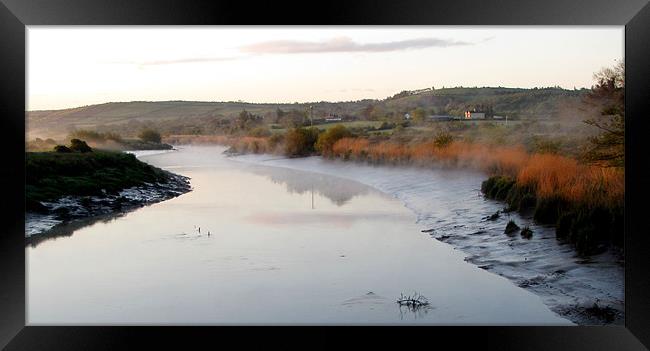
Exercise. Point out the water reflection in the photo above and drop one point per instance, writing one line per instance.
(66, 229)
(339, 220)
(346, 261)
(338, 191)
(413, 312)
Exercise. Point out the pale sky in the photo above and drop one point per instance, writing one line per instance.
(83, 65)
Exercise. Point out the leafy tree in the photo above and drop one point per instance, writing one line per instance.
(247, 120)
(300, 141)
(327, 139)
(62, 149)
(150, 135)
(79, 146)
(608, 148)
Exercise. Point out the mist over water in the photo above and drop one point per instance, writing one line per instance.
(286, 246)
(449, 207)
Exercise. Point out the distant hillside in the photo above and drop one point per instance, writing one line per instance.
(525, 103)
(187, 117)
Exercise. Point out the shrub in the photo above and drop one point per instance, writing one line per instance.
(300, 141)
(62, 149)
(150, 135)
(526, 233)
(275, 140)
(79, 146)
(327, 139)
(443, 139)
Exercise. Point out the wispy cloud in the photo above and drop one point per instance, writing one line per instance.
(335, 45)
(345, 44)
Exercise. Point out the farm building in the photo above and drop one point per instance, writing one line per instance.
(331, 117)
(474, 115)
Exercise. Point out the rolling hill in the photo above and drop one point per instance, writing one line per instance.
(195, 117)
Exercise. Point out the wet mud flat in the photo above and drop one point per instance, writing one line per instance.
(587, 290)
(66, 214)
(294, 247)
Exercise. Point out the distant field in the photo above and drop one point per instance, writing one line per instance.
(193, 117)
(353, 124)
(326, 126)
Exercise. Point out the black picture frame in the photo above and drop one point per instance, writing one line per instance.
(16, 14)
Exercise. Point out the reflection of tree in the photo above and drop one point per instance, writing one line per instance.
(337, 190)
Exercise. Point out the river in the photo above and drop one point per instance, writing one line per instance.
(310, 241)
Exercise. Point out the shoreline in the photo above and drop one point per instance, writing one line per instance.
(553, 266)
(58, 216)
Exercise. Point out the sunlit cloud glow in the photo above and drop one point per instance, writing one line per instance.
(303, 64)
(345, 44)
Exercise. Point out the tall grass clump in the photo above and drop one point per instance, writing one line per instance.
(504, 160)
(585, 202)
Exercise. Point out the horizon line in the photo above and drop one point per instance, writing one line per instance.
(306, 102)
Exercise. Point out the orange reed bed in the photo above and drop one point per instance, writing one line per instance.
(552, 176)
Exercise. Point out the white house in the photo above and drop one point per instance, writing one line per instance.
(474, 115)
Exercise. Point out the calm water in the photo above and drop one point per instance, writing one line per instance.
(449, 205)
(285, 246)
